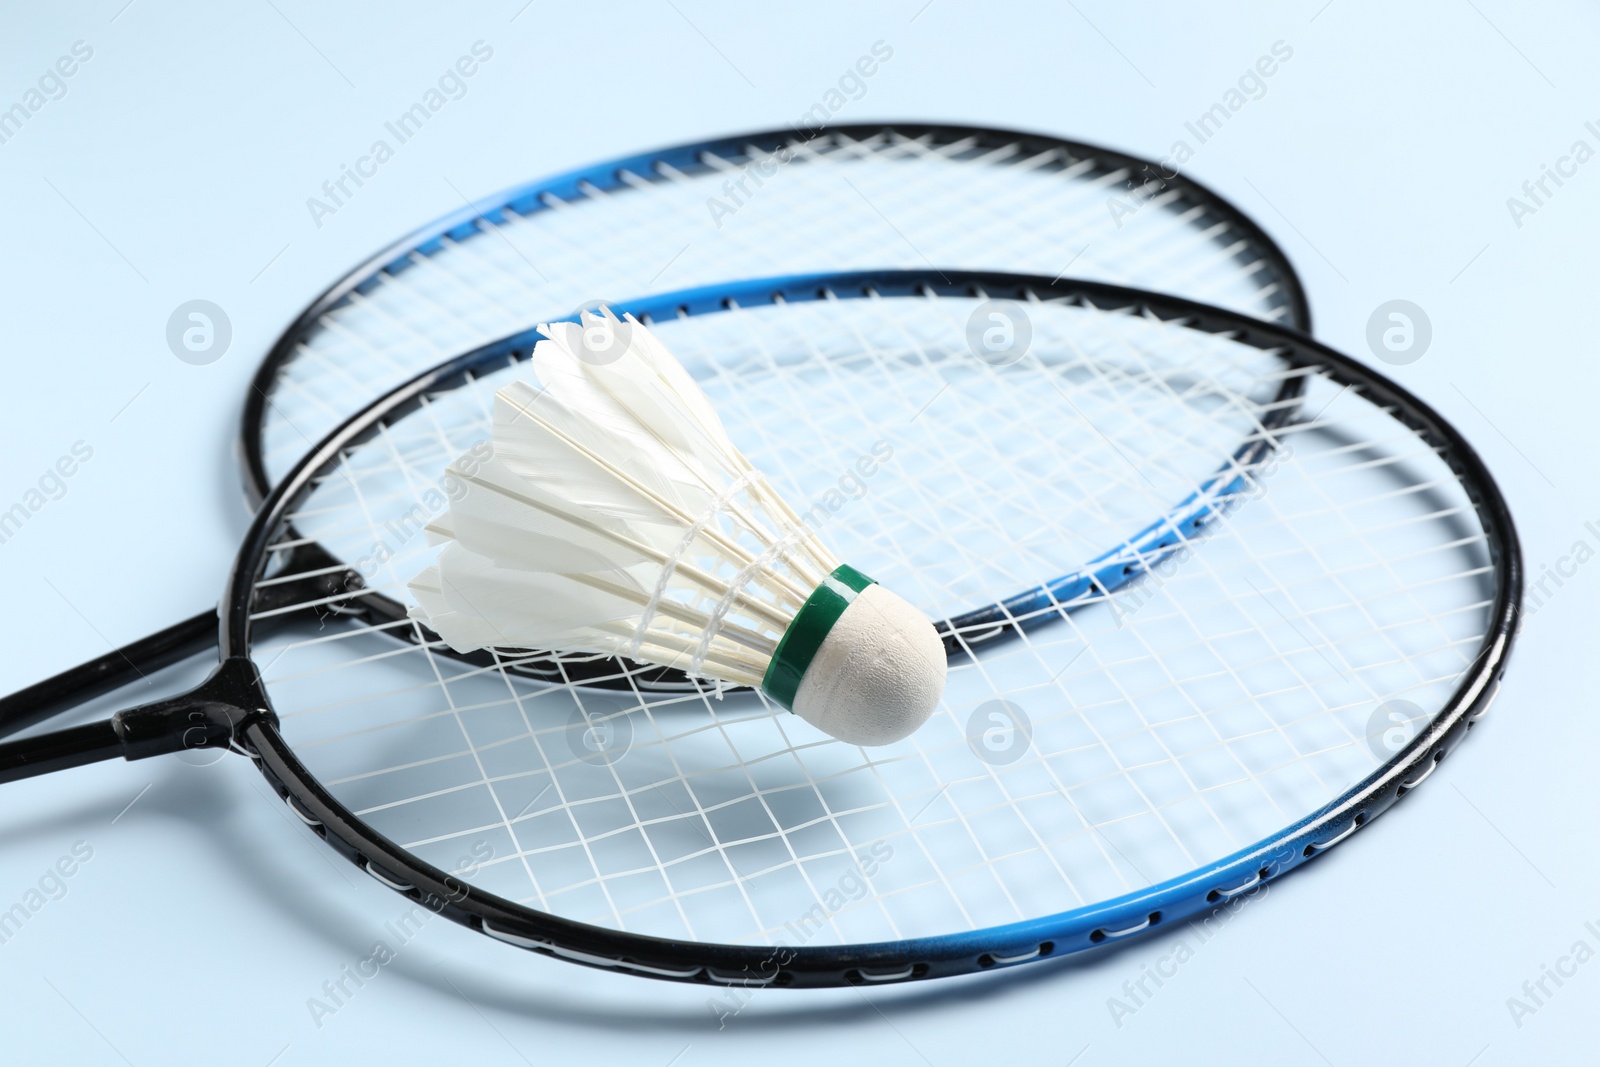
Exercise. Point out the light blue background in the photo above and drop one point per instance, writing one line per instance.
(177, 166)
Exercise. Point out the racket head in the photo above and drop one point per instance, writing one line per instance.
(1455, 511)
(857, 196)
(1120, 526)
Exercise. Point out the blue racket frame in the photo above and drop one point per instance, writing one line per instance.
(616, 175)
(50, 696)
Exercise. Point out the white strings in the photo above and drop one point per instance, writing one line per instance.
(1248, 680)
(884, 201)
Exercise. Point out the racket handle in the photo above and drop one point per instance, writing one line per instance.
(113, 670)
(57, 751)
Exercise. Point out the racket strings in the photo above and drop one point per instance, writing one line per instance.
(445, 446)
(1480, 602)
(847, 413)
(990, 209)
(1080, 191)
(1032, 445)
(1172, 722)
(1431, 517)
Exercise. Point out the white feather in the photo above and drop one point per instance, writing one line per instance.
(617, 517)
(479, 603)
(506, 517)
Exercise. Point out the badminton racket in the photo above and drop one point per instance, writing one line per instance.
(877, 195)
(1301, 635)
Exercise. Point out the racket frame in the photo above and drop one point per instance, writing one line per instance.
(689, 159)
(122, 666)
(233, 709)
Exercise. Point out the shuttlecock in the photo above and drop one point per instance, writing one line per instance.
(615, 516)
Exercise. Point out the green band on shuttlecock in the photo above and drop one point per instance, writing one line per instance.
(799, 643)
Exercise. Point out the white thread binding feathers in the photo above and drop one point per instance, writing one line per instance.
(615, 516)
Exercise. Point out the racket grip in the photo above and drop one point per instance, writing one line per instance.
(58, 751)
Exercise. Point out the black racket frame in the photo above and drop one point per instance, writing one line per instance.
(232, 709)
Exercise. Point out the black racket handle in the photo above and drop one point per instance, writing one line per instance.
(57, 751)
(113, 670)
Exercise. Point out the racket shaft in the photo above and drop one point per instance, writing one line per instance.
(58, 751)
(106, 673)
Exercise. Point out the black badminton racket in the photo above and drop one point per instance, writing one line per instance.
(1156, 731)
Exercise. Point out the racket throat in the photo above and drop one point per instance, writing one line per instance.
(210, 715)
